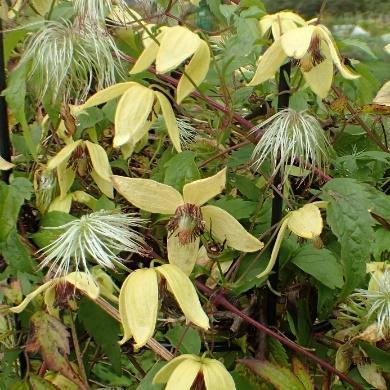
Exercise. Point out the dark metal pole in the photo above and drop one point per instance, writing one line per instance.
(5, 142)
(277, 202)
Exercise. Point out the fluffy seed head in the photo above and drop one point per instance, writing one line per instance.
(98, 237)
(291, 137)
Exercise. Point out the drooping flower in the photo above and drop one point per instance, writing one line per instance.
(79, 280)
(313, 49)
(190, 218)
(82, 157)
(280, 23)
(65, 59)
(182, 372)
(137, 109)
(291, 137)
(138, 301)
(172, 46)
(98, 236)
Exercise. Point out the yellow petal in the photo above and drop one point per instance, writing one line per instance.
(104, 185)
(185, 294)
(269, 63)
(5, 165)
(127, 149)
(215, 274)
(148, 195)
(224, 227)
(170, 120)
(275, 250)
(216, 376)
(83, 282)
(265, 23)
(183, 256)
(132, 113)
(320, 77)
(196, 69)
(296, 42)
(183, 376)
(107, 94)
(200, 191)
(165, 372)
(177, 44)
(63, 155)
(383, 95)
(335, 55)
(65, 178)
(306, 222)
(31, 296)
(84, 198)
(146, 58)
(62, 204)
(138, 304)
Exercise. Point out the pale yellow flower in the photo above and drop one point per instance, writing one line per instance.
(5, 165)
(181, 373)
(313, 49)
(190, 217)
(138, 301)
(82, 157)
(171, 47)
(280, 22)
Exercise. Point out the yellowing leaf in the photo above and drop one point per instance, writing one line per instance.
(170, 120)
(372, 375)
(185, 294)
(138, 304)
(177, 44)
(306, 222)
(165, 372)
(62, 204)
(196, 69)
(200, 191)
(148, 195)
(183, 256)
(107, 94)
(132, 113)
(65, 178)
(84, 198)
(269, 63)
(184, 375)
(5, 165)
(63, 155)
(216, 376)
(224, 227)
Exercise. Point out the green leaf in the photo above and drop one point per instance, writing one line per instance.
(281, 377)
(246, 186)
(382, 243)
(302, 372)
(321, 264)
(181, 169)
(104, 330)
(187, 339)
(380, 357)
(146, 383)
(350, 220)
(240, 156)
(238, 208)
(277, 352)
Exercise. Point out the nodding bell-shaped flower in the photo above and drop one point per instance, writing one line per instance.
(313, 49)
(184, 371)
(280, 23)
(98, 236)
(305, 222)
(172, 46)
(190, 218)
(82, 158)
(78, 280)
(136, 111)
(138, 301)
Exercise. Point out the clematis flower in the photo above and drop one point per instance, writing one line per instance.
(80, 281)
(5, 165)
(172, 46)
(99, 236)
(82, 157)
(182, 372)
(280, 23)
(137, 109)
(138, 301)
(190, 218)
(315, 52)
(305, 222)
